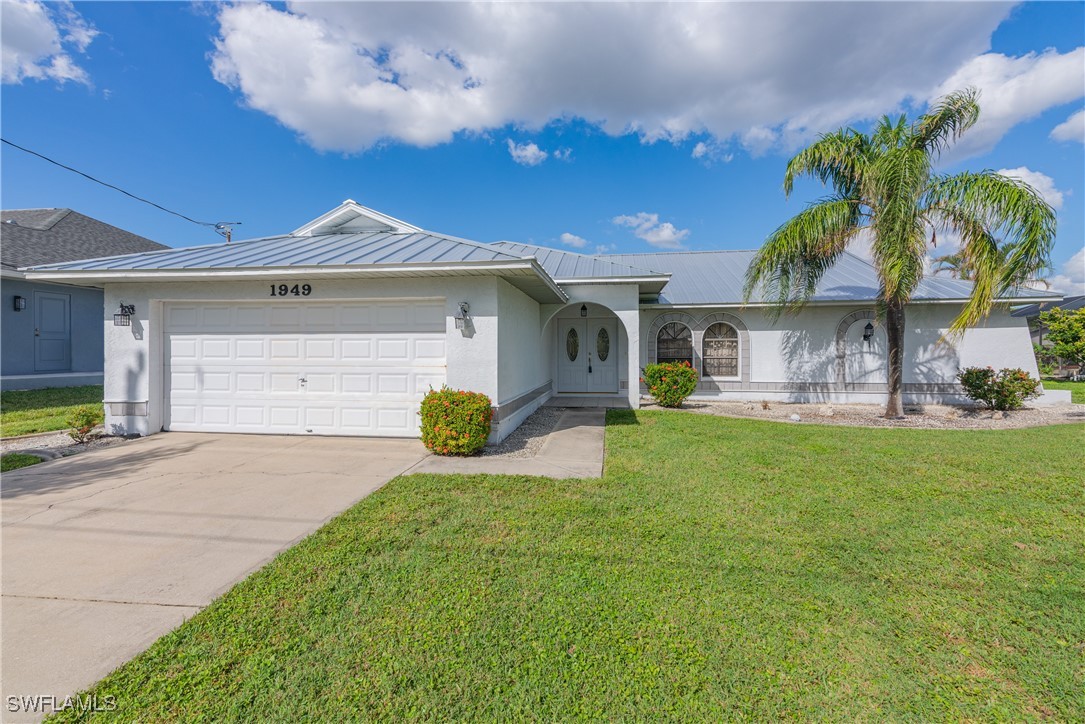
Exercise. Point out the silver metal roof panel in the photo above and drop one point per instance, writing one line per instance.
(566, 265)
(718, 277)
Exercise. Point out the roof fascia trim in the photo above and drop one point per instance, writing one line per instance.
(125, 275)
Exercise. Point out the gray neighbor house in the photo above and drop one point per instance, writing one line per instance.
(52, 335)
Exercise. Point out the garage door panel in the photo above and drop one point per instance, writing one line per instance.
(365, 367)
(282, 316)
(249, 317)
(215, 349)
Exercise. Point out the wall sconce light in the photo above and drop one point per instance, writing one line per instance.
(123, 316)
(868, 332)
(20, 303)
(583, 310)
(463, 315)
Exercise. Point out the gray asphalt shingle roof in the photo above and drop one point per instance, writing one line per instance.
(30, 237)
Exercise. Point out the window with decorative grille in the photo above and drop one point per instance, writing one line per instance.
(674, 343)
(719, 351)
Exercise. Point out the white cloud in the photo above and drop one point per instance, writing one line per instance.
(1072, 129)
(577, 242)
(563, 154)
(1013, 90)
(1071, 280)
(35, 41)
(605, 248)
(526, 154)
(648, 227)
(1041, 182)
(347, 76)
(708, 152)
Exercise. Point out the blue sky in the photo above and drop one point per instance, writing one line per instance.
(587, 127)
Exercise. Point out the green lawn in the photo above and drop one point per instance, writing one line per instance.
(722, 569)
(25, 411)
(1077, 389)
(14, 461)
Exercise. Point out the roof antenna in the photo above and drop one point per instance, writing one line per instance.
(226, 229)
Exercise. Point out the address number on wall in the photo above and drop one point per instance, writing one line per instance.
(285, 290)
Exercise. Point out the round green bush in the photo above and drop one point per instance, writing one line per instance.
(455, 422)
(670, 383)
(1005, 389)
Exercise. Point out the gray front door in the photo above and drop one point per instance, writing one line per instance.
(52, 332)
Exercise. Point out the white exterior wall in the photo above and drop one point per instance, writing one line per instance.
(134, 366)
(523, 376)
(621, 300)
(795, 358)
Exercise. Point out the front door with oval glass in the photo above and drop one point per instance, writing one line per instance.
(588, 355)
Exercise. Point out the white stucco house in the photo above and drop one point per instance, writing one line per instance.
(341, 326)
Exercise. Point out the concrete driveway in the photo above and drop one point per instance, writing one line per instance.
(106, 551)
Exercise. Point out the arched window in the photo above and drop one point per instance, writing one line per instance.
(674, 343)
(720, 351)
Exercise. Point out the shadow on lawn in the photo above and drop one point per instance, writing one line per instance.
(622, 417)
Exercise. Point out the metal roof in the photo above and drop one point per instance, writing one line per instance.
(717, 277)
(353, 241)
(46, 236)
(374, 247)
(566, 265)
(375, 253)
(1069, 304)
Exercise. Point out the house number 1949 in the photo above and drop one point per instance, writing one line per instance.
(282, 290)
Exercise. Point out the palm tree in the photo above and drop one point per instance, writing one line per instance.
(954, 263)
(958, 266)
(885, 184)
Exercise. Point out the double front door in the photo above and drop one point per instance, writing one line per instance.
(587, 352)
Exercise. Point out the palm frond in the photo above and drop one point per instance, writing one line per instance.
(985, 207)
(836, 159)
(947, 119)
(793, 259)
(898, 180)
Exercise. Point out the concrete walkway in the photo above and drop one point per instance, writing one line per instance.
(573, 450)
(106, 551)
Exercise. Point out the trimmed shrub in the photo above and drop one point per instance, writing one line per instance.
(455, 422)
(82, 420)
(1005, 389)
(670, 383)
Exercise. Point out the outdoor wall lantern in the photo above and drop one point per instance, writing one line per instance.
(583, 310)
(463, 315)
(123, 316)
(868, 332)
(20, 303)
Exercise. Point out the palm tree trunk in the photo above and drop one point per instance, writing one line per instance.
(894, 332)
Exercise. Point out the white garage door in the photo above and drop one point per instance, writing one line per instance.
(350, 368)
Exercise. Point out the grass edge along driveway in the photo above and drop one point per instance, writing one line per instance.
(721, 569)
(23, 412)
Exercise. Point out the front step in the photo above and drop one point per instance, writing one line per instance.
(588, 401)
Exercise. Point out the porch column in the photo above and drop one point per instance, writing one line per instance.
(630, 319)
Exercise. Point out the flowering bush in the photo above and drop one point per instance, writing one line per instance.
(670, 382)
(83, 420)
(455, 422)
(1005, 389)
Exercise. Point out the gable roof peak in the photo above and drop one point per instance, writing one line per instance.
(350, 217)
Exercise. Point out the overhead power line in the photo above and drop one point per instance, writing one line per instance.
(221, 227)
